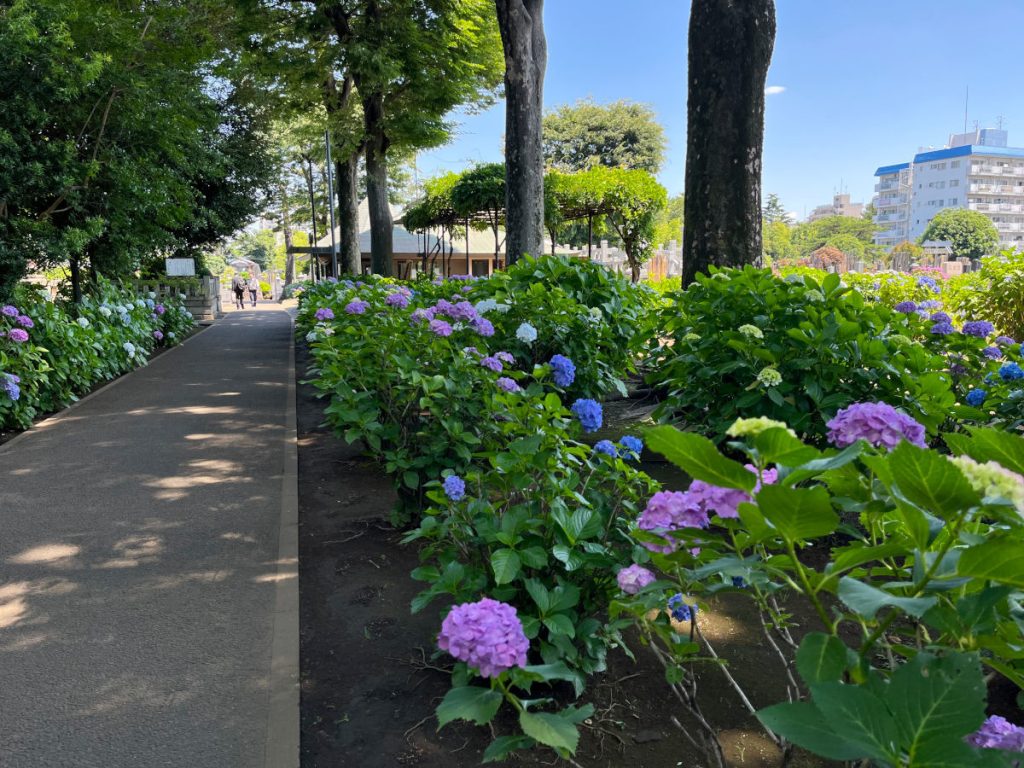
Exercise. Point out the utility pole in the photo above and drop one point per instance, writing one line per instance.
(330, 205)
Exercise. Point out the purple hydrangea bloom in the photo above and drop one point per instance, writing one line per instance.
(491, 363)
(930, 304)
(670, 511)
(10, 384)
(976, 397)
(487, 635)
(998, 733)
(18, 335)
(633, 578)
(725, 502)
(159, 309)
(454, 487)
(607, 447)
(470, 351)
(397, 299)
(508, 385)
(463, 310)
(9, 311)
(941, 317)
(324, 313)
(907, 307)
(505, 357)
(928, 282)
(979, 328)
(943, 329)
(1007, 371)
(419, 315)
(158, 335)
(357, 307)
(440, 327)
(1005, 341)
(632, 446)
(589, 414)
(443, 307)
(24, 321)
(563, 370)
(483, 326)
(878, 423)
(993, 353)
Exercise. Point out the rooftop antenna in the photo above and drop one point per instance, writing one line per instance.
(999, 122)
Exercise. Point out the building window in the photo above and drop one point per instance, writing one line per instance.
(953, 200)
(479, 268)
(955, 164)
(954, 182)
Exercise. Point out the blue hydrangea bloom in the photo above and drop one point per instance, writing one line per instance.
(632, 445)
(941, 329)
(589, 414)
(979, 328)
(976, 397)
(941, 317)
(1011, 372)
(906, 306)
(993, 353)
(454, 487)
(680, 610)
(563, 370)
(739, 582)
(9, 382)
(606, 447)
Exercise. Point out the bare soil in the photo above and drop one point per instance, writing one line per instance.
(370, 677)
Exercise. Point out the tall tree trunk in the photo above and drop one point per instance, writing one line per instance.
(730, 48)
(381, 225)
(286, 229)
(521, 23)
(350, 259)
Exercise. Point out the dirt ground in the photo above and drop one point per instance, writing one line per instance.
(371, 680)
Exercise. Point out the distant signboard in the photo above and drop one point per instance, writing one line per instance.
(180, 267)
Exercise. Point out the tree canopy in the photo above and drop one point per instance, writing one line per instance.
(971, 233)
(622, 134)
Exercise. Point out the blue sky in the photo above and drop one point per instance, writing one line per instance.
(866, 83)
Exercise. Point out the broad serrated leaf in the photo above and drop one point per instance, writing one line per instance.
(506, 564)
(798, 513)
(803, 724)
(1000, 560)
(821, 658)
(471, 703)
(699, 458)
(930, 481)
(866, 600)
(550, 729)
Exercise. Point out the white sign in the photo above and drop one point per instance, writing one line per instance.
(180, 267)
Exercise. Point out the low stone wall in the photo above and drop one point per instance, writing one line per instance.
(202, 297)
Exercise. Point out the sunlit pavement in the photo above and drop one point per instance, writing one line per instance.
(139, 561)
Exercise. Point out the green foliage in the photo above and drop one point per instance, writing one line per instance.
(810, 236)
(622, 134)
(995, 293)
(971, 233)
(71, 349)
(828, 345)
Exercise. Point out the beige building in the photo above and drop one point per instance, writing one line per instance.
(840, 206)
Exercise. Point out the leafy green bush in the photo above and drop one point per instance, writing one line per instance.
(746, 343)
(919, 592)
(995, 293)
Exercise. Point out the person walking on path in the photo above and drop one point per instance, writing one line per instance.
(238, 288)
(254, 287)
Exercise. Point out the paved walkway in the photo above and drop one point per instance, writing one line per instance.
(143, 560)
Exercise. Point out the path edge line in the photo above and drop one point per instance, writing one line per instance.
(282, 742)
(63, 412)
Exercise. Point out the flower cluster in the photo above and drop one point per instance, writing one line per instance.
(998, 733)
(769, 377)
(9, 383)
(324, 313)
(455, 487)
(487, 635)
(755, 426)
(505, 384)
(979, 328)
(607, 447)
(634, 578)
(907, 307)
(992, 479)
(878, 423)
(563, 371)
(589, 414)
(357, 307)
(751, 331)
(526, 333)
(680, 610)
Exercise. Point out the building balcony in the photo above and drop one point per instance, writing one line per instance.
(889, 202)
(886, 185)
(881, 218)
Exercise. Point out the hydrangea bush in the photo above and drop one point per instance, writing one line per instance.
(58, 352)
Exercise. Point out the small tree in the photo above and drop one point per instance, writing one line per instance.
(633, 199)
(481, 190)
(972, 234)
(773, 210)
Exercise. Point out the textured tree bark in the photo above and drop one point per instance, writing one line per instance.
(350, 258)
(730, 48)
(381, 225)
(286, 229)
(521, 23)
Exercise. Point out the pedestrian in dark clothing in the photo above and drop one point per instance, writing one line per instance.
(238, 288)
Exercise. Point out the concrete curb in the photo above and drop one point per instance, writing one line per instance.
(49, 421)
(282, 743)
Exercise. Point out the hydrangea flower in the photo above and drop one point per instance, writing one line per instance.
(899, 340)
(158, 335)
(769, 377)
(24, 321)
(129, 348)
(9, 311)
(979, 328)
(563, 370)
(357, 307)
(10, 385)
(943, 329)
(485, 306)
(680, 610)
(508, 385)
(105, 311)
(878, 423)
(670, 511)
(930, 304)
(739, 582)
(17, 335)
(632, 447)
(811, 295)
(1007, 371)
(691, 337)
(440, 328)
(526, 333)
(607, 447)
(589, 414)
(1004, 341)
(397, 299)
(491, 363)
(170, 334)
(325, 313)
(924, 281)
(505, 357)
(751, 331)
(487, 635)
(940, 317)
(454, 487)
(311, 336)
(633, 578)
(483, 326)
(755, 426)
(907, 307)
(83, 322)
(976, 397)
(443, 307)
(998, 733)
(993, 353)
(463, 310)
(992, 479)
(419, 315)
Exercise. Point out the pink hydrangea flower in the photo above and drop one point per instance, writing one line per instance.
(487, 635)
(634, 578)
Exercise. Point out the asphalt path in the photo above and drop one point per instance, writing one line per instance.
(140, 562)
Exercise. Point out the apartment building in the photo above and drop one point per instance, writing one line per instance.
(976, 171)
(840, 206)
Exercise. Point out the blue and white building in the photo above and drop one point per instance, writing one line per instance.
(976, 171)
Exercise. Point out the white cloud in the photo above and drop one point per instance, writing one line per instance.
(771, 90)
